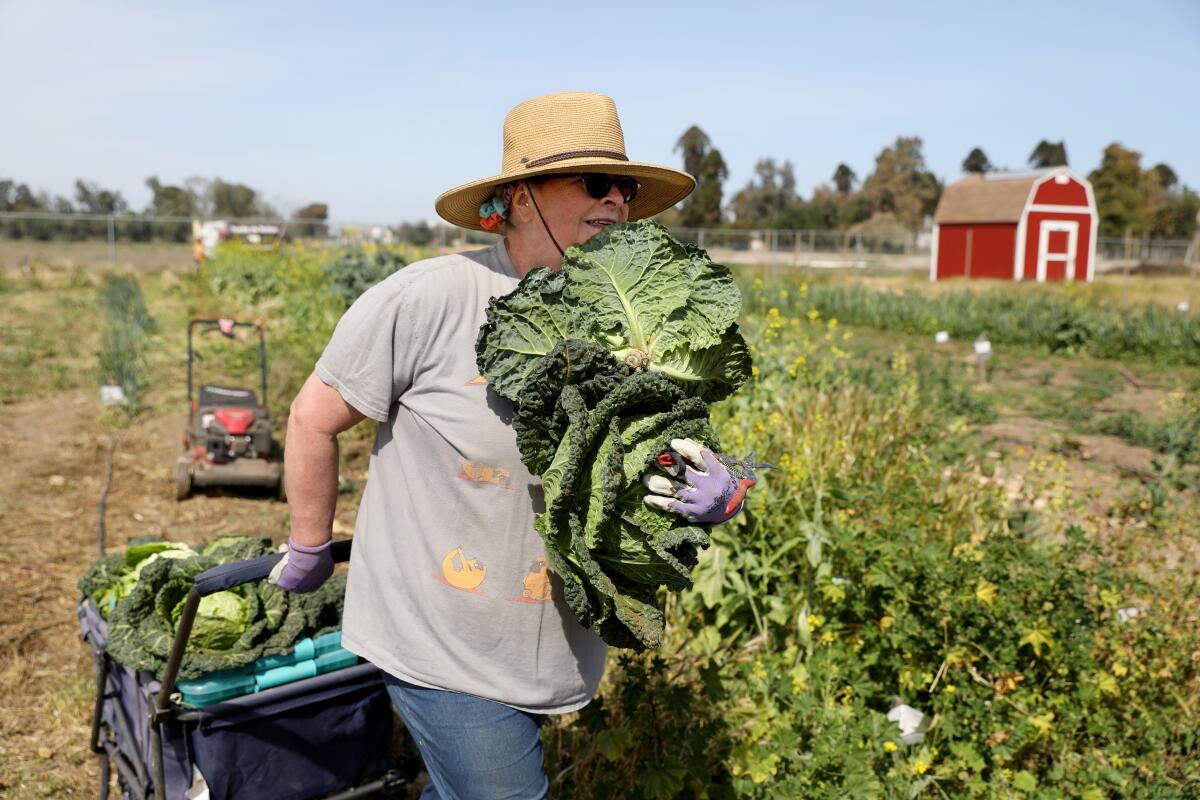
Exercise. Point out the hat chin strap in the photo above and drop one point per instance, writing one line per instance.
(543, 219)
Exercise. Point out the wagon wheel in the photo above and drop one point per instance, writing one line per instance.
(183, 481)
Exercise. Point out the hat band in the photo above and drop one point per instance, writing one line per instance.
(541, 162)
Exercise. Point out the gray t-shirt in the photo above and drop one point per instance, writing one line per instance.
(448, 586)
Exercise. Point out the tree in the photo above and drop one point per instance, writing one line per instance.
(774, 192)
(418, 233)
(901, 184)
(1166, 176)
(705, 206)
(1177, 217)
(704, 162)
(1120, 191)
(170, 201)
(94, 200)
(19, 197)
(977, 161)
(312, 219)
(1172, 206)
(844, 179)
(234, 200)
(1048, 154)
(694, 144)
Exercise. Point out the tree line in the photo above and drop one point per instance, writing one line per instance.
(897, 197)
(901, 192)
(196, 198)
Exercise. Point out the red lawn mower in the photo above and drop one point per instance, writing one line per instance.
(228, 441)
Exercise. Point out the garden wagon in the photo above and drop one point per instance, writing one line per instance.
(229, 439)
(326, 736)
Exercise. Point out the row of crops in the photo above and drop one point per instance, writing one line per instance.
(877, 566)
(1060, 321)
(122, 357)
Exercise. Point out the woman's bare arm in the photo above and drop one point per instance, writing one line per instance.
(318, 415)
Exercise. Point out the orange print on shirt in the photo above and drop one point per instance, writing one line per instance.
(536, 587)
(461, 572)
(481, 473)
(478, 380)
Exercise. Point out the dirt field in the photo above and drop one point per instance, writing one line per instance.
(54, 435)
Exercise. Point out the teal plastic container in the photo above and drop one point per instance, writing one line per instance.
(308, 658)
(303, 651)
(327, 642)
(217, 686)
(281, 675)
(335, 660)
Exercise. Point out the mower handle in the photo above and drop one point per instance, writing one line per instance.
(257, 324)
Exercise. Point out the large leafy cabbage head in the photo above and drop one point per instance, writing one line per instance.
(655, 303)
(606, 362)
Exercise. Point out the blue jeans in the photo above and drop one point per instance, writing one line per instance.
(474, 749)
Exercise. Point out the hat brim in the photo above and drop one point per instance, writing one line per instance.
(661, 188)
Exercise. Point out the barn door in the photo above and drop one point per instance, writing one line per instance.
(1057, 241)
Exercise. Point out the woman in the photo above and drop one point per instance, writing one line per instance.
(448, 591)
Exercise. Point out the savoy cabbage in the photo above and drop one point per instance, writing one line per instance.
(606, 362)
(142, 593)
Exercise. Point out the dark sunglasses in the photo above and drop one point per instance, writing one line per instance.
(598, 185)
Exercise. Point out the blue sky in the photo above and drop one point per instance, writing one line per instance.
(375, 108)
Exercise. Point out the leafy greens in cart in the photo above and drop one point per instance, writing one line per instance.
(141, 592)
(607, 361)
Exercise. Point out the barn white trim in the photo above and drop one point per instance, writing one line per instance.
(933, 253)
(1053, 209)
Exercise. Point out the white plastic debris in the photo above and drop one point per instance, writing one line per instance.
(912, 723)
(983, 347)
(1126, 614)
(112, 396)
(1183, 305)
(941, 337)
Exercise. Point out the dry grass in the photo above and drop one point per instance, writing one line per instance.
(95, 254)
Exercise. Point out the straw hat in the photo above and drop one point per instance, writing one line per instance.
(570, 132)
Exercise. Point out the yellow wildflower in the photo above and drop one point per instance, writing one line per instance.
(985, 592)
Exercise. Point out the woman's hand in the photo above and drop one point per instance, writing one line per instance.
(303, 569)
(700, 489)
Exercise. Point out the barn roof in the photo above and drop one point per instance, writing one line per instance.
(990, 197)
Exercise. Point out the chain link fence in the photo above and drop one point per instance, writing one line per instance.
(87, 240)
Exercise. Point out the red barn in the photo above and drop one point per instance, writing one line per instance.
(1037, 225)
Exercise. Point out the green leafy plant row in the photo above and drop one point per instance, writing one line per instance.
(121, 358)
(1055, 320)
(878, 566)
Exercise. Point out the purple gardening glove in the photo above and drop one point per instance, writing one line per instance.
(302, 569)
(701, 488)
